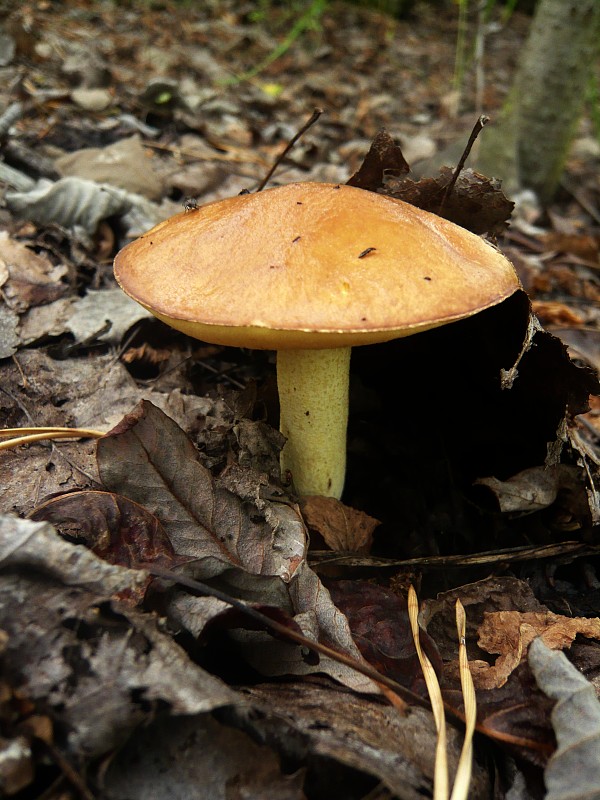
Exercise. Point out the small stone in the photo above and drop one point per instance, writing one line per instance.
(92, 99)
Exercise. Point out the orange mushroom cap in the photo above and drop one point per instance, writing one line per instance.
(311, 265)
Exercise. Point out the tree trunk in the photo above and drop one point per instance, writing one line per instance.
(546, 100)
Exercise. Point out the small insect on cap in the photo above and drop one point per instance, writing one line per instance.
(311, 265)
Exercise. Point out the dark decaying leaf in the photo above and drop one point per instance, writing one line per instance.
(150, 460)
(474, 202)
(517, 715)
(111, 526)
(383, 159)
(304, 599)
(381, 628)
(98, 667)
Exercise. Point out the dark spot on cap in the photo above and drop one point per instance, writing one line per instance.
(366, 252)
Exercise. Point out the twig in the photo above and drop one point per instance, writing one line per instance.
(588, 207)
(477, 128)
(70, 774)
(314, 117)
(287, 633)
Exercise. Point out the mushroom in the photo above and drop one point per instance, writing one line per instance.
(311, 270)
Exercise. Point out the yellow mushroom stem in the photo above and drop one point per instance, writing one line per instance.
(313, 397)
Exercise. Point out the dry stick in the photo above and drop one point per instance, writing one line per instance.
(477, 128)
(314, 117)
(70, 774)
(287, 633)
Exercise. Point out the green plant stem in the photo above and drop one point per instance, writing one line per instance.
(308, 20)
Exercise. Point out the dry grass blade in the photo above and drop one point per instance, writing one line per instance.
(460, 790)
(19, 436)
(440, 780)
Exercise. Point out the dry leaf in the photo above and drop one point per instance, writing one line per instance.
(340, 526)
(384, 159)
(509, 633)
(149, 459)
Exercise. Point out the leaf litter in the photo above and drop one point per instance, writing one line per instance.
(112, 639)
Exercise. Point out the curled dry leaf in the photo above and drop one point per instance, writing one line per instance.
(69, 202)
(114, 528)
(31, 278)
(27, 545)
(340, 526)
(509, 634)
(384, 159)
(534, 488)
(312, 610)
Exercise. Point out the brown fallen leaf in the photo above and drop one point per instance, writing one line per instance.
(585, 247)
(511, 709)
(149, 459)
(340, 526)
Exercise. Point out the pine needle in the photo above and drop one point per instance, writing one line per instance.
(440, 778)
(21, 436)
(462, 780)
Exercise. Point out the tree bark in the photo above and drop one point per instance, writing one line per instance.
(531, 141)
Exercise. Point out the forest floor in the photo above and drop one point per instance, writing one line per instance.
(473, 459)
